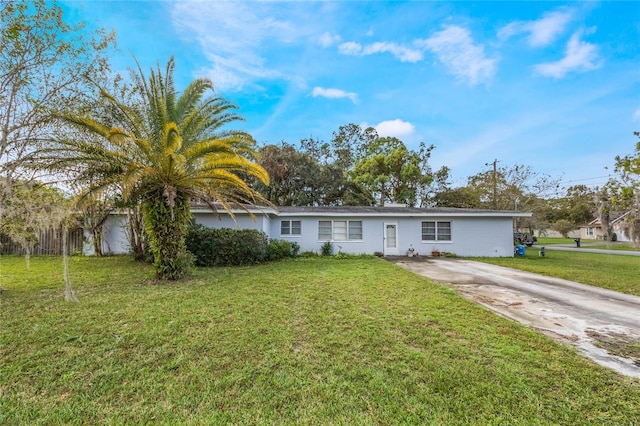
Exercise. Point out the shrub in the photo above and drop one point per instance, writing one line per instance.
(280, 249)
(308, 253)
(227, 247)
(326, 249)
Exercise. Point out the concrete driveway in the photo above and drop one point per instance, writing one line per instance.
(587, 317)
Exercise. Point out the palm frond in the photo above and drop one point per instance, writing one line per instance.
(160, 143)
(205, 148)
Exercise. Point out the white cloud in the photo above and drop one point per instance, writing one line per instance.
(350, 48)
(636, 115)
(543, 31)
(403, 53)
(396, 128)
(455, 48)
(579, 56)
(233, 35)
(334, 94)
(328, 40)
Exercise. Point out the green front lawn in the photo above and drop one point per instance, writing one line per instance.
(615, 246)
(594, 244)
(542, 241)
(615, 272)
(307, 341)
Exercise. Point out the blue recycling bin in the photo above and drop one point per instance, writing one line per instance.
(520, 250)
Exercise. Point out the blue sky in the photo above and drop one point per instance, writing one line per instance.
(549, 84)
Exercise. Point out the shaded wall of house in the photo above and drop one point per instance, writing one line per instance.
(115, 237)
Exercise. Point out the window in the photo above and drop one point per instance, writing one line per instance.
(436, 231)
(324, 230)
(290, 227)
(355, 230)
(590, 232)
(339, 230)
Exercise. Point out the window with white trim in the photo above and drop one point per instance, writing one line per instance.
(339, 230)
(290, 227)
(436, 231)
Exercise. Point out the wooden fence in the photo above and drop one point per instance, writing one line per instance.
(49, 243)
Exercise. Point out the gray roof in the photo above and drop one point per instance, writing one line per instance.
(370, 211)
(383, 210)
(393, 211)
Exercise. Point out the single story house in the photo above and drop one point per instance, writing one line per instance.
(593, 230)
(389, 230)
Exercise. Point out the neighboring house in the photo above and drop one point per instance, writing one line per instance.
(594, 231)
(388, 230)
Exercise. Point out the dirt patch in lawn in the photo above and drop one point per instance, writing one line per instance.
(618, 344)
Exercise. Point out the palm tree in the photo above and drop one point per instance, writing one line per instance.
(164, 150)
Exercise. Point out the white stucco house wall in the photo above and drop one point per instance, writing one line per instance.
(389, 230)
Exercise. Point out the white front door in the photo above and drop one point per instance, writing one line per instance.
(390, 238)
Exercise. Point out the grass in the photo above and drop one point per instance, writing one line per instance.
(307, 341)
(542, 241)
(615, 272)
(615, 246)
(594, 244)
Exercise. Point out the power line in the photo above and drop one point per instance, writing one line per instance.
(581, 180)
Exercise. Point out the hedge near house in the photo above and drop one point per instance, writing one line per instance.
(226, 247)
(235, 247)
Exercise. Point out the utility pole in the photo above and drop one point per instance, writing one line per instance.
(495, 184)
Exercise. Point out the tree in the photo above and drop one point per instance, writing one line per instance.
(509, 188)
(576, 206)
(295, 177)
(604, 206)
(580, 204)
(31, 209)
(348, 145)
(563, 226)
(95, 215)
(45, 64)
(391, 172)
(517, 187)
(626, 191)
(349, 170)
(461, 197)
(167, 151)
(337, 159)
